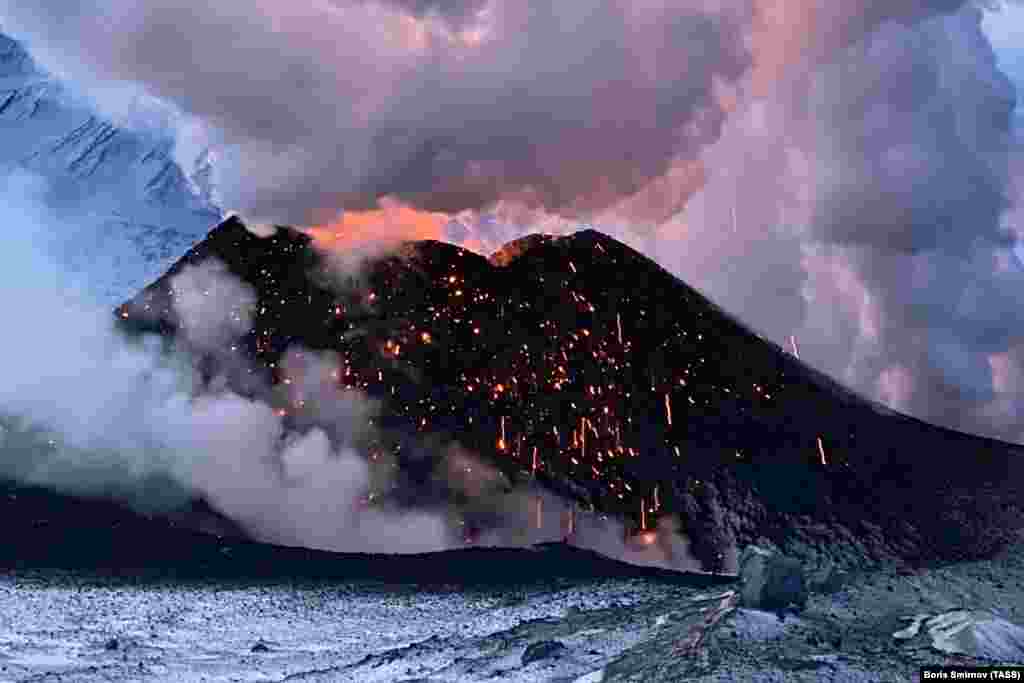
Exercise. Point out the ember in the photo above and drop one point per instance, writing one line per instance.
(654, 370)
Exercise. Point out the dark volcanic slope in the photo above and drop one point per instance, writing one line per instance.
(580, 362)
(46, 530)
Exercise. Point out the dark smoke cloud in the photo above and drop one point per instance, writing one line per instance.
(320, 105)
(912, 138)
(316, 106)
(875, 193)
(919, 119)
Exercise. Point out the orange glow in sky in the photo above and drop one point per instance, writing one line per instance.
(392, 223)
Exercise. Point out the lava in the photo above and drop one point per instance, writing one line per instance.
(393, 223)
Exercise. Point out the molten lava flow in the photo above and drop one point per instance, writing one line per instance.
(391, 224)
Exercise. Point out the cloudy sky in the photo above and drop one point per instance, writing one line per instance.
(842, 174)
(1006, 31)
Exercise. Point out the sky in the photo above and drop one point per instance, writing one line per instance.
(1005, 29)
(842, 176)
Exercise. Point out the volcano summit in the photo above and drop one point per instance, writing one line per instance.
(579, 364)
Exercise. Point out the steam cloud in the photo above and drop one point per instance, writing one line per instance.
(86, 410)
(319, 105)
(875, 196)
(325, 105)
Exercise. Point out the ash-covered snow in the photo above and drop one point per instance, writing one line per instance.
(57, 623)
(85, 627)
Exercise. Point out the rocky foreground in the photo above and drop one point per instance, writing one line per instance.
(87, 625)
(93, 592)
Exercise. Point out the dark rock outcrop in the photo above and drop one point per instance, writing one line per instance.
(771, 581)
(543, 649)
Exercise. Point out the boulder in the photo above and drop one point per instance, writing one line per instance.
(771, 581)
(974, 633)
(826, 578)
(542, 650)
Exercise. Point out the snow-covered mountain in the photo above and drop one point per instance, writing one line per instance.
(129, 209)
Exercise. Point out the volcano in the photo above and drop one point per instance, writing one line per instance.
(580, 364)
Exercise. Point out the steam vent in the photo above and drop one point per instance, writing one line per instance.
(581, 364)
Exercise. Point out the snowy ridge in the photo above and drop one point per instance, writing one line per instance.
(128, 207)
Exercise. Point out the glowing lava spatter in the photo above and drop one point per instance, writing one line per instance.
(515, 354)
(619, 384)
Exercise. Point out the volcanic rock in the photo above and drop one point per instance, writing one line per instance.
(974, 633)
(542, 650)
(583, 365)
(770, 581)
(826, 579)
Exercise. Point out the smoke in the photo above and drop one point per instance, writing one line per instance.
(58, 349)
(843, 173)
(212, 308)
(873, 193)
(323, 105)
(297, 489)
(87, 411)
(861, 199)
(316, 106)
(498, 513)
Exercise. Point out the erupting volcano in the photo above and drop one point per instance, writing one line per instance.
(581, 364)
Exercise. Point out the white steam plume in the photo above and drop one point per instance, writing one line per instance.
(874, 194)
(88, 412)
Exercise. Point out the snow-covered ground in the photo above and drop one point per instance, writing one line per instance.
(90, 629)
(77, 626)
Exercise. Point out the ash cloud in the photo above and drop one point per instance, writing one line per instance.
(845, 173)
(85, 410)
(313, 107)
(876, 195)
(500, 514)
(862, 202)
(213, 308)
